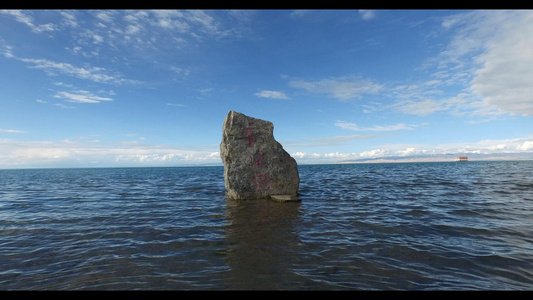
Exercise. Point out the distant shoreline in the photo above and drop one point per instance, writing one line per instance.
(370, 161)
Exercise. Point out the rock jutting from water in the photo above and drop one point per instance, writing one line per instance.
(255, 164)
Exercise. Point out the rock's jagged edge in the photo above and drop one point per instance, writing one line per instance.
(255, 164)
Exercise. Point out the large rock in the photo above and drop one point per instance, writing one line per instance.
(255, 164)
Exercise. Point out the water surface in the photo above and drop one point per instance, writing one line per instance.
(419, 226)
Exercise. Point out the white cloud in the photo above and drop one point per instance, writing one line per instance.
(498, 46)
(170, 19)
(97, 39)
(7, 51)
(485, 70)
(89, 73)
(505, 80)
(106, 16)
(525, 146)
(176, 104)
(518, 145)
(11, 131)
(418, 107)
(272, 95)
(25, 18)
(519, 148)
(411, 151)
(81, 97)
(299, 154)
(341, 88)
(332, 157)
(327, 141)
(146, 31)
(298, 13)
(197, 24)
(354, 127)
(336, 139)
(69, 18)
(374, 153)
(71, 153)
(367, 14)
(94, 153)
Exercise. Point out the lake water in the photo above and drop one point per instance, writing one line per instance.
(407, 226)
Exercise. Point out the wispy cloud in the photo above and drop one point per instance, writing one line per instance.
(342, 88)
(147, 33)
(54, 104)
(95, 74)
(272, 95)
(327, 141)
(26, 18)
(176, 104)
(367, 14)
(81, 96)
(6, 50)
(155, 29)
(108, 23)
(354, 127)
(342, 138)
(418, 107)
(12, 131)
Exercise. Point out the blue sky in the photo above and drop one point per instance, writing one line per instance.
(108, 88)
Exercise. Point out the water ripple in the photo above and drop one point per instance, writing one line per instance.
(426, 226)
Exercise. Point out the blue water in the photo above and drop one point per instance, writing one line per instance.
(419, 226)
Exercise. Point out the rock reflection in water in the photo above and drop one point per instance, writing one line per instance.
(262, 244)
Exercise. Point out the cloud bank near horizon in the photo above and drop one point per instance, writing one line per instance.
(69, 153)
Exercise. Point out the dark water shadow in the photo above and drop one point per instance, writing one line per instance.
(262, 244)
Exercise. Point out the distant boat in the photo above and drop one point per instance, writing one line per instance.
(461, 158)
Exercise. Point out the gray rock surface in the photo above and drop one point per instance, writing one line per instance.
(255, 164)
